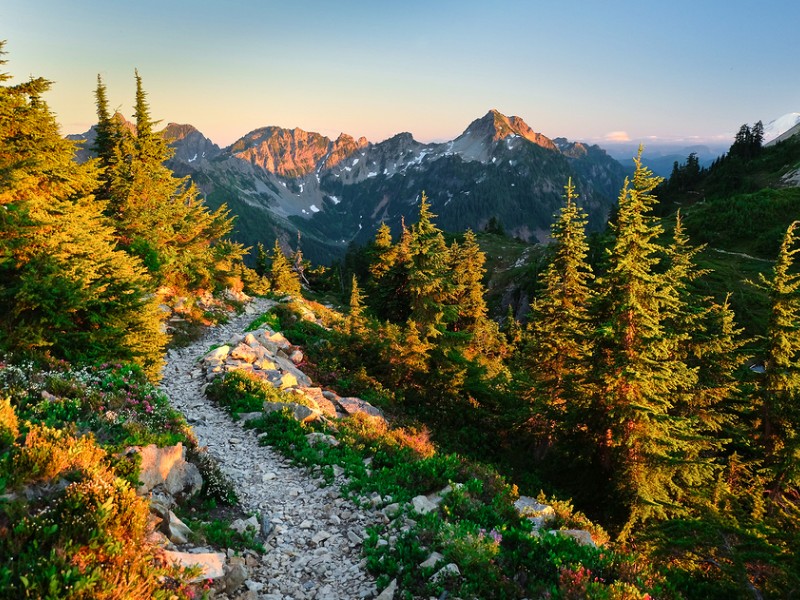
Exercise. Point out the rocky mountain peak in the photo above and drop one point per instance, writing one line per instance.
(177, 131)
(483, 135)
(344, 147)
(571, 149)
(285, 152)
(189, 144)
(494, 126)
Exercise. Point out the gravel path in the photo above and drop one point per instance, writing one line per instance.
(314, 549)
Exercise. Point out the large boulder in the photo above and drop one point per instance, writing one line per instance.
(244, 353)
(300, 412)
(217, 354)
(353, 406)
(423, 505)
(167, 469)
(316, 397)
(212, 564)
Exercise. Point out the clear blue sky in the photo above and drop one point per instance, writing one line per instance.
(586, 70)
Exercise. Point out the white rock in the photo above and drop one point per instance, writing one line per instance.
(388, 593)
(242, 525)
(320, 536)
(431, 561)
(211, 563)
(581, 536)
(167, 468)
(447, 571)
(177, 530)
(354, 537)
(422, 505)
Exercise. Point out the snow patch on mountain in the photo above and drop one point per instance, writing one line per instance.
(781, 125)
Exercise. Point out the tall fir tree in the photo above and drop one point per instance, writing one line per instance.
(283, 279)
(559, 355)
(482, 341)
(643, 447)
(108, 135)
(429, 279)
(355, 321)
(778, 401)
(158, 217)
(389, 269)
(64, 287)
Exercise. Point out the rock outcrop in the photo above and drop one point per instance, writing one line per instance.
(269, 356)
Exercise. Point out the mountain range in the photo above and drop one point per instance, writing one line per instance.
(335, 192)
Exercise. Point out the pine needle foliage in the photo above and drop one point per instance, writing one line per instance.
(283, 279)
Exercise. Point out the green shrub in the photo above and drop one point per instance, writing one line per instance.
(240, 392)
(269, 318)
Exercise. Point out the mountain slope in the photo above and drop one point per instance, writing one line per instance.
(782, 128)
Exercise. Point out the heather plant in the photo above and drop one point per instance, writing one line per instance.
(217, 487)
(117, 402)
(71, 528)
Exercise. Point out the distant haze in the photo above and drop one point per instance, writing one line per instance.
(683, 73)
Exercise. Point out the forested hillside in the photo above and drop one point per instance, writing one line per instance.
(648, 402)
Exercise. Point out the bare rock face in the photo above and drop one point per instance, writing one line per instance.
(285, 152)
(300, 412)
(344, 147)
(167, 469)
(176, 530)
(352, 406)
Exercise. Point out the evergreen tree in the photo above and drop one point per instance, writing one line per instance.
(355, 321)
(382, 253)
(643, 446)
(779, 398)
(483, 342)
(300, 264)
(468, 262)
(512, 328)
(560, 351)
(158, 217)
(262, 260)
(283, 278)
(406, 351)
(389, 269)
(757, 137)
(64, 288)
(429, 282)
(108, 135)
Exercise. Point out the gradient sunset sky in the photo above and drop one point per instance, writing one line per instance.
(589, 70)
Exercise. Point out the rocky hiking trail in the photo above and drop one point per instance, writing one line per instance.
(313, 536)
